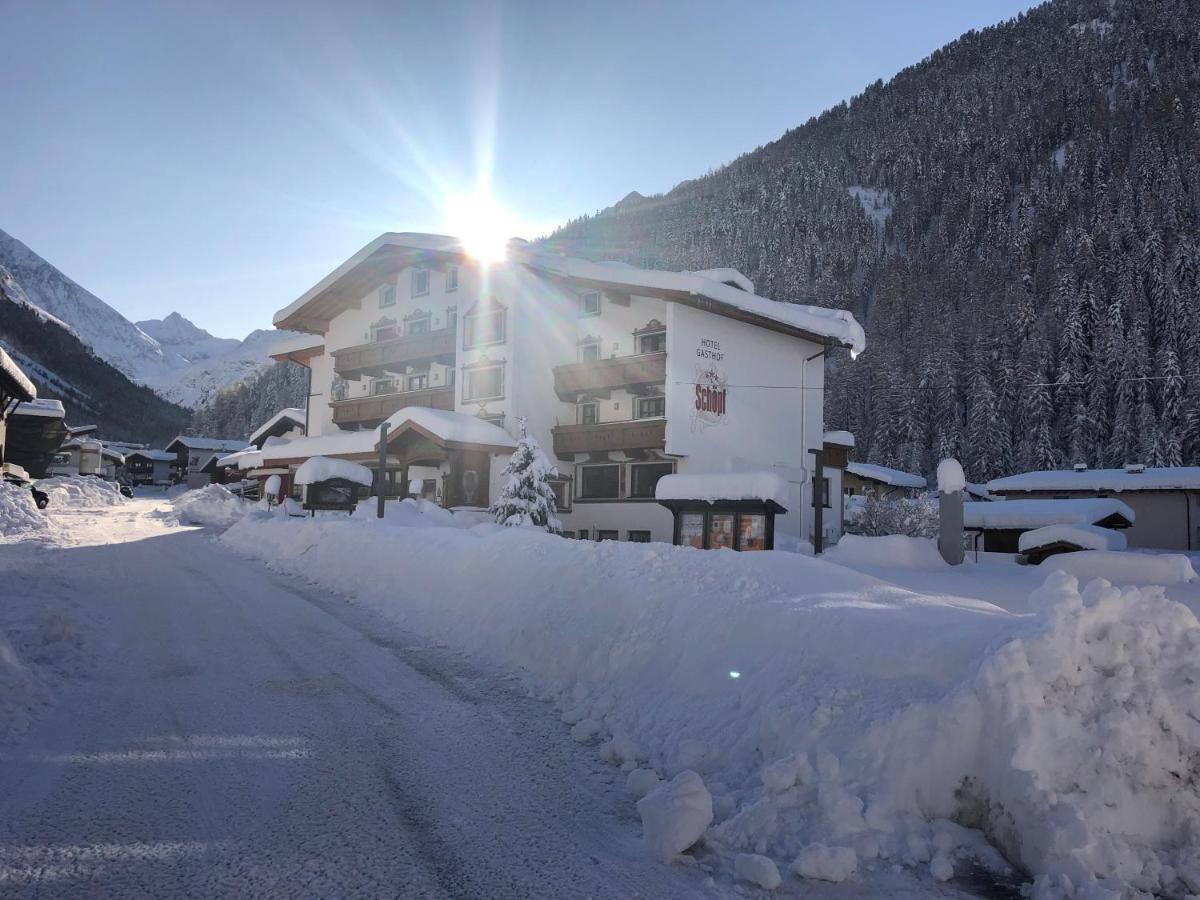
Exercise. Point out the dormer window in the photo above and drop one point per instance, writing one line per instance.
(420, 282)
(387, 295)
(589, 303)
(451, 279)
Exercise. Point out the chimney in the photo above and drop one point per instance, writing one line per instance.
(1135, 468)
(1080, 467)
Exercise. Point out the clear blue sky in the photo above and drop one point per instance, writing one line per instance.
(218, 158)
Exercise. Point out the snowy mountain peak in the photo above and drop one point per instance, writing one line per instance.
(174, 329)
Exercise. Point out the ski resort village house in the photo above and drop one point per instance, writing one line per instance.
(859, 478)
(15, 388)
(196, 457)
(623, 375)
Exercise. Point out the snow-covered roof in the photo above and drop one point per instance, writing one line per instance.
(322, 468)
(42, 406)
(299, 343)
(1088, 537)
(203, 443)
(19, 385)
(243, 459)
(341, 443)
(292, 413)
(884, 475)
(455, 427)
(715, 486)
(1038, 513)
(154, 455)
(836, 325)
(1149, 479)
(841, 438)
(113, 454)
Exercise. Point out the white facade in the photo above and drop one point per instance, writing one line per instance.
(620, 382)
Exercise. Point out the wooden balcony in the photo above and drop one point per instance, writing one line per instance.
(634, 434)
(601, 375)
(373, 410)
(374, 359)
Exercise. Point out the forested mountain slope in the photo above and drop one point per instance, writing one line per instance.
(1015, 219)
(236, 411)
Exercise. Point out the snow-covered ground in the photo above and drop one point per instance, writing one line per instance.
(847, 730)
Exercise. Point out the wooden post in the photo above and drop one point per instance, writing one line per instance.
(818, 501)
(381, 479)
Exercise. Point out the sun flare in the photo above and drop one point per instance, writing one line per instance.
(482, 224)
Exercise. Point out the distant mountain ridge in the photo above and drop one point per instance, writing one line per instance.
(178, 360)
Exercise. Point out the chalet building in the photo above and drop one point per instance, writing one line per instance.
(147, 466)
(623, 375)
(998, 526)
(859, 478)
(1166, 500)
(196, 457)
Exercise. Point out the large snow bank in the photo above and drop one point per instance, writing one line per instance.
(209, 505)
(1125, 568)
(19, 515)
(80, 491)
(855, 550)
(1089, 537)
(321, 468)
(819, 706)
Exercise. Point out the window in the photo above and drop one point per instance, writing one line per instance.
(643, 477)
(339, 390)
(417, 326)
(451, 316)
(194, 460)
(588, 413)
(387, 295)
(483, 327)
(383, 386)
(589, 303)
(451, 279)
(603, 534)
(752, 532)
(582, 534)
(639, 537)
(562, 493)
(825, 500)
(417, 382)
(691, 530)
(600, 482)
(485, 383)
(652, 343)
(649, 407)
(589, 351)
(64, 459)
(569, 535)
(420, 282)
(384, 331)
(720, 530)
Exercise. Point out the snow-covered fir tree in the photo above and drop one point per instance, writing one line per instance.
(527, 499)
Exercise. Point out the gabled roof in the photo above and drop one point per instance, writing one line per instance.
(724, 292)
(1165, 478)
(293, 415)
(450, 428)
(13, 382)
(884, 475)
(203, 443)
(1025, 514)
(153, 455)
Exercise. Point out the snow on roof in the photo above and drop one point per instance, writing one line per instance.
(1038, 513)
(1157, 479)
(155, 455)
(841, 438)
(243, 459)
(884, 475)
(1088, 537)
(203, 443)
(341, 443)
(322, 468)
(296, 344)
(728, 276)
(113, 454)
(461, 428)
(715, 486)
(44, 406)
(297, 415)
(21, 386)
(838, 325)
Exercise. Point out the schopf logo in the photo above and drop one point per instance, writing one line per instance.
(711, 395)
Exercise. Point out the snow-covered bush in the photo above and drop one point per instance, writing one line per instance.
(527, 498)
(876, 516)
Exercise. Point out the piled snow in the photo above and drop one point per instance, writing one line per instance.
(841, 438)
(19, 516)
(1089, 537)
(1039, 513)
(758, 870)
(321, 468)
(1125, 568)
(675, 815)
(813, 705)
(884, 475)
(80, 491)
(212, 504)
(950, 477)
(716, 486)
(416, 512)
(272, 486)
(855, 550)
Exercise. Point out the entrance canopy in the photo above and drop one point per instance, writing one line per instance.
(448, 430)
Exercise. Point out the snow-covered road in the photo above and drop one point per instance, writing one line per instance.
(237, 734)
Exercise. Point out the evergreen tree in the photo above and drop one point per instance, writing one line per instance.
(527, 499)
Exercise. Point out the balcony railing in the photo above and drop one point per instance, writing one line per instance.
(374, 359)
(373, 410)
(632, 434)
(600, 375)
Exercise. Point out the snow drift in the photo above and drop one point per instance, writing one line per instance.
(19, 516)
(80, 492)
(209, 505)
(834, 719)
